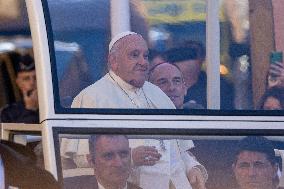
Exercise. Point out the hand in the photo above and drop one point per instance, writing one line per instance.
(196, 178)
(31, 99)
(276, 70)
(145, 155)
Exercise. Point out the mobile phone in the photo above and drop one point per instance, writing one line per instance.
(276, 56)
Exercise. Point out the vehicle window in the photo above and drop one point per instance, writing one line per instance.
(175, 32)
(80, 45)
(216, 156)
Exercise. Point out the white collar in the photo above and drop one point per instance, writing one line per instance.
(101, 186)
(122, 83)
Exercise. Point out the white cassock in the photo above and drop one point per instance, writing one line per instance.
(175, 162)
(112, 92)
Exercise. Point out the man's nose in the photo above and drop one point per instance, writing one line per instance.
(33, 81)
(117, 161)
(143, 60)
(171, 86)
(251, 171)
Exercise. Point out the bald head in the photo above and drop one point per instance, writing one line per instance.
(128, 58)
(170, 80)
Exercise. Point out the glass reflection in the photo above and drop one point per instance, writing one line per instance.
(165, 161)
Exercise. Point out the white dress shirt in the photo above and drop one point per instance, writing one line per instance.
(101, 186)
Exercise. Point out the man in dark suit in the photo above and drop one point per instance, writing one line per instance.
(110, 156)
(111, 160)
(20, 171)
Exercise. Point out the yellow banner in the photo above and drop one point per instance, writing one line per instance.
(175, 11)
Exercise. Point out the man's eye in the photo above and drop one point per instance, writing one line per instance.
(259, 165)
(177, 81)
(146, 56)
(244, 165)
(162, 82)
(134, 54)
(26, 78)
(108, 156)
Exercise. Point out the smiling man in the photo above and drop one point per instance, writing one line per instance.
(255, 165)
(125, 85)
(169, 78)
(111, 159)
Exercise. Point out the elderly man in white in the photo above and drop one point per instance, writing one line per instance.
(125, 85)
(158, 164)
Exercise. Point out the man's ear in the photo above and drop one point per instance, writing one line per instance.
(90, 160)
(275, 169)
(112, 63)
(184, 89)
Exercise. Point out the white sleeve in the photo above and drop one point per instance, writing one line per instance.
(190, 163)
(76, 102)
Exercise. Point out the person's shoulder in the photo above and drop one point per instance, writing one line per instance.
(157, 96)
(13, 106)
(150, 86)
(97, 86)
(132, 186)
(10, 111)
(91, 92)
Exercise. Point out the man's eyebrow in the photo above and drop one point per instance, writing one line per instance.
(178, 77)
(162, 79)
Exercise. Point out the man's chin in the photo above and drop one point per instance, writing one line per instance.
(137, 83)
(253, 185)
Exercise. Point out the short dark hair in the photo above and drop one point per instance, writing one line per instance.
(24, 63)
(181, 54)
(198, 46)
(257, 144)
(154, 53)
(275, 92)
(93, 142)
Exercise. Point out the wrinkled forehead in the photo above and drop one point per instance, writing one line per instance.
(167, 70)
(106, 142)
(251, 156)
(132, 42)
(26, 73)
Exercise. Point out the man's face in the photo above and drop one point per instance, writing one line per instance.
(130, 61)
(272, 103)
(112, 161)
(169, 79)
(190, 70)
(26, 81)
(253, 171)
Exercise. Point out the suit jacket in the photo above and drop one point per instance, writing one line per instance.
(88, 182)
(22, 174)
